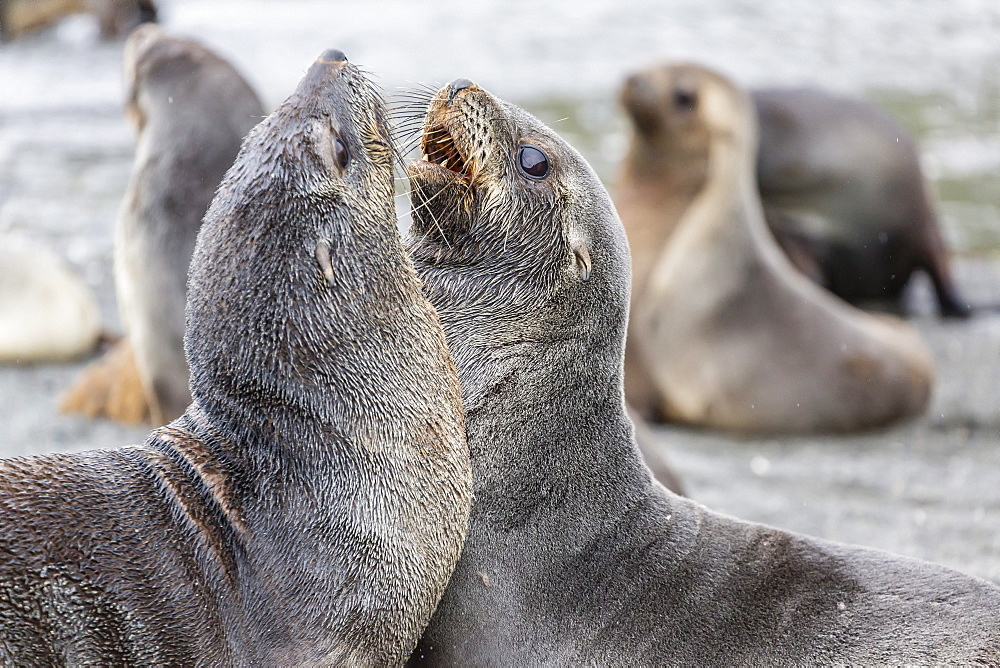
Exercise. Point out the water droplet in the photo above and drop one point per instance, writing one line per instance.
(760, 465)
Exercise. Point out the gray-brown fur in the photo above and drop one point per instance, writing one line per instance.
(190, 110)
(574, 555)
(310, 505)
(723, 331)
(845, 196)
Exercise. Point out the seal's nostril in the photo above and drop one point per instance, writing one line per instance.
(457, 85)
(333, 56)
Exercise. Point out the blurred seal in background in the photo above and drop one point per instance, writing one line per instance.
(115, 18)
(723, 331)
(190, 109)
(47, 312)
(846, 198)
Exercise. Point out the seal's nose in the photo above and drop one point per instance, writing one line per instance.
(333, 56)
(457, 85)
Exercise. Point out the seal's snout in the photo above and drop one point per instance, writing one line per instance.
(458, 85)
(333, 56)
(639, 98)
(637, 90)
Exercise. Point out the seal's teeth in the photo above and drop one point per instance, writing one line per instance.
(444, 163)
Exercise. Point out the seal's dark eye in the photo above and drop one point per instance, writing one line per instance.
(340, 152)
(532, 162)
(685, 99)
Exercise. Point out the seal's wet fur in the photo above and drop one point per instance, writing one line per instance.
(574, 555)
(311, 503)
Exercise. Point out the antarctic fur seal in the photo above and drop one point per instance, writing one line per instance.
(723, 332)
(844, 194)
(189, 109)
(309, 506)
(840, 181)
(574, 555)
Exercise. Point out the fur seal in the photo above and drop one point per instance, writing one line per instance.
(114, 17)
(574, 555)
(310, 505)
(47, 313)
(723, 331)
(189, 109)
(844, 194)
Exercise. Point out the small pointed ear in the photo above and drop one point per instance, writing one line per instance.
(582, 260)
(323, 257)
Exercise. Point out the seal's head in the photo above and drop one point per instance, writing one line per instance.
(676, 112)
(514, 236)
(179, 81)
(304, 214)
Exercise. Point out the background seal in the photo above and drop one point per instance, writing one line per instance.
(723, 332)
(190, 109)
(844, 195)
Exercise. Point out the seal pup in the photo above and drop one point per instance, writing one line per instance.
(844, 195)
(310, 505)
(574, 555)
(47, 312)
(189, 110)
(723, 331)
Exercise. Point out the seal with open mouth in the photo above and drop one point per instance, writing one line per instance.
(723, 331)
(310, 505)
(574, 555)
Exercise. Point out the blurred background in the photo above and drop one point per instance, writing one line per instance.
(930, 488)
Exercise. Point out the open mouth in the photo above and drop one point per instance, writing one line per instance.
(438, 147)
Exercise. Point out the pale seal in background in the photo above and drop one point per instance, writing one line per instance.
(47, 312)
(723, 331)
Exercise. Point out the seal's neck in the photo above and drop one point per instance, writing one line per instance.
(547, 427)
(727, 211)
(654, 188)
(275, 345)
